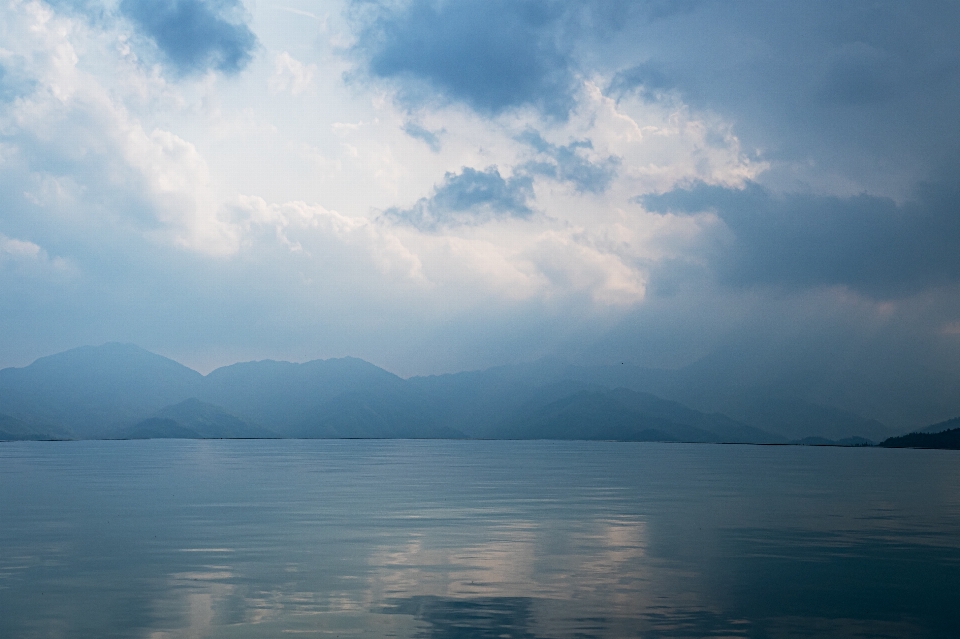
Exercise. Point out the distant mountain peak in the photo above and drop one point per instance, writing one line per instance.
(91, 390)
(939, 427)
(109, 352)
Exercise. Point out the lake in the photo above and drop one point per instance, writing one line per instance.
(443, 539)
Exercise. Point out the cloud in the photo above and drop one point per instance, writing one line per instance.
(12, 83)
(22, 258)
(828, 93)
(291, 75)
(195, 35)
(870, 244)
(79, 158)
(469, 197)
(841, 97)
(18, 250)
(567, 165)
(667, 8)
(857, 73)
(94, 9)
(430, 138)
(573, 265)
(491, 54)
(496, 55)
(647, 79)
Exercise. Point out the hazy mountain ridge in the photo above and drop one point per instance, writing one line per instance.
(626, 415)
(377, 414)
(950, 424)
(13, 429)
(288, 396)
(764, 407)
(194, 419)
(120, 390)
(92, 391)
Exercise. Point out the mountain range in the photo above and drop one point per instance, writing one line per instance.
(123, 391)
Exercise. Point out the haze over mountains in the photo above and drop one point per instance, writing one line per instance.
(122, 391)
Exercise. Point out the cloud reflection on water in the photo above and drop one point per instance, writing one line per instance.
(561, 560)
(523, 579)
(192, 611)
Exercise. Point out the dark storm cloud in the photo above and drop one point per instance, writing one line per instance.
(496, 54)
(491, 54)
(866, 92)
(861, 93)
(195, 35)
(469, 197)
(565, 164)
(801, 240)
(857, 73)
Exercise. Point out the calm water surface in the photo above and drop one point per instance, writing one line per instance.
(442, 539)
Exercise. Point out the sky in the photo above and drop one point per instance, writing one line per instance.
(445, 185)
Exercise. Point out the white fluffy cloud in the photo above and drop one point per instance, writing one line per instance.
(26, 259)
